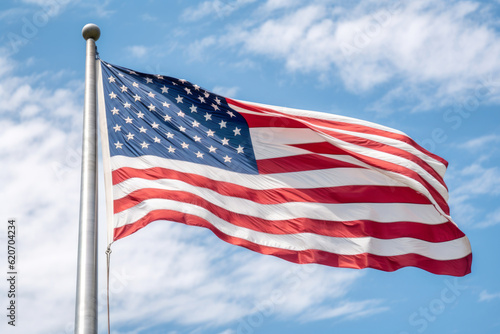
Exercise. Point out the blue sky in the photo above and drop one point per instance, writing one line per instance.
(428, 68)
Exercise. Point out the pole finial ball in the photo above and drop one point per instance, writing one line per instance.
(91, 31)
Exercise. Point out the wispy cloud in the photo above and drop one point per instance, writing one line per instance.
(349, 310)
(213, 8)
(485, 296)
(483, 142)
(138, 51)
(226, 91)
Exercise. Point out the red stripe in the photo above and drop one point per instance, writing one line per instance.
(341, 194)
(266, 121)
(339, 125)
(363, 142)
(389, 166)
(459, 267)
(351, 229)
(300, 163)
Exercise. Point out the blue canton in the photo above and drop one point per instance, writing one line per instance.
(172, 118)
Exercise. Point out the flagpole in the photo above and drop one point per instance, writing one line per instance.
(86, 289)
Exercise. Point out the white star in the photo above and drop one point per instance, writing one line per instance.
(155, 125)
(167, 118)
(217, 100)
(206, 94)
(212, 149)
(142, 129)
(130, 136)
(188, 91)
(140, 114)
(179, 99)
(144, 145)
(151, 94)
(193, 108)
(131, 72)
(239, 149)
(225, 141)
(126, 105)
(199, 155)
(196, 138)
(195, 124)
(128, 120)
(109, 65)
(169, 135)
(149, 80)
(124, 88)
(227, 159)
(215, 106)
(156, 139)
(183, 81)
(210, 133)
(230, 113)
(166, 105)
(151, 107)
(115, 111)
(117, 128)
(174, 83)
(118, 144)
(236, 131)
(184, 145)
(208, 117)
(196, 87)
(111, 79)
(171, 149)
(120, 74)
(182, 129)
(136, 98)
(135, 84)
(222, 124)
(180, 114)
(164, 89)
(112, 95)
(201, 98)
(159, 77)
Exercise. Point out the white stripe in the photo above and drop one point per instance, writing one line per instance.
(334, 177)
(379, 212)
(304, 135)
(108, 182)
(448, 250)
(337, 118)
(314, 114)
(306, 179)
(268, 144)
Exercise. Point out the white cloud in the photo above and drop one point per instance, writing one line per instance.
(483, 142)
(434, 51)
(138, 51)
(226, 91)
(351, 310)
(213, 8)
(485, 296)
(475, 183)
(40, 183)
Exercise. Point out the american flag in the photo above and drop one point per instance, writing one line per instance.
(304, 186)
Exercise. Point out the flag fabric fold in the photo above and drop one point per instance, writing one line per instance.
(304, 186)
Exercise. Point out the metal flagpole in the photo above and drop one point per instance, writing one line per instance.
(86, 289)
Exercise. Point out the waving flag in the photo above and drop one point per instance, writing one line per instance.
(304, 186)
